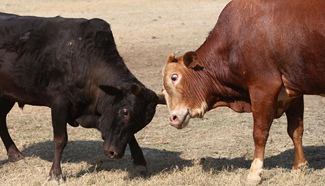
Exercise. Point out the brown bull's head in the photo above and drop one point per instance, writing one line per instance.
(183, 90)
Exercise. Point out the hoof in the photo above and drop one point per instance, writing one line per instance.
(253, 180)
(301, 168)
(15, 154)
(20, 162)
(141, 170)
(57, 180)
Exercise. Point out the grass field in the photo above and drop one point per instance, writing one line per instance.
(215, 150)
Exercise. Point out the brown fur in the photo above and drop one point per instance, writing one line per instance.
(257, 50)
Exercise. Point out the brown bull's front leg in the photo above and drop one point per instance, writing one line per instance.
(260, 135)
(137, 155)
(264, 105)
(59, 121)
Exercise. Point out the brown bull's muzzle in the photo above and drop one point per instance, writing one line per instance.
(180, 119)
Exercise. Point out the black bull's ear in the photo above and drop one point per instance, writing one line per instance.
(135, 89)
(117, 90)
(111, 90)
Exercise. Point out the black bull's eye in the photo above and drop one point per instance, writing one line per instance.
(125, 112)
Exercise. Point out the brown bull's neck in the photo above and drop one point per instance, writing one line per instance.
(225, 87)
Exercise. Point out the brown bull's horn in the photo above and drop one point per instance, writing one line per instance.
(162, 99)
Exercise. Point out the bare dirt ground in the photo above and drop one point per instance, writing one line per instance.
(216, 150)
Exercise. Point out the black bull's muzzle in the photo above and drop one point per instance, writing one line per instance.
(114, 151)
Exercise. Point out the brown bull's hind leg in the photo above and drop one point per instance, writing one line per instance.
(5, 106)
(295, 131)
(138, 158)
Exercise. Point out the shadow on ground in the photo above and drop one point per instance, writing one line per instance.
(160, 160)
(315, 156)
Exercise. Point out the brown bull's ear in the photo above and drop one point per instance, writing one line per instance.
(162, 99)
(111, 90)
(171, 58)
(190, 60)
(135, 89)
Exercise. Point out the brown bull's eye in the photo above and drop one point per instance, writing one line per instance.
(174, 77)
(125, 112)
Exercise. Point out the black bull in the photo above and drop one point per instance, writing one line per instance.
(73, 67)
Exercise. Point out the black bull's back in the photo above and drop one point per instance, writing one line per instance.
(73, 67)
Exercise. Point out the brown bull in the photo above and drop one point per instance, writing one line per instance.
(262, 56)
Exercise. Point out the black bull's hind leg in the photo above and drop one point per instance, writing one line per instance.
(138, 158)
(59, 121)
(5, 106)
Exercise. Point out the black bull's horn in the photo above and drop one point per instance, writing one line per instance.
(162, 99)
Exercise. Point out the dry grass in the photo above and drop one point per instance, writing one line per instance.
(216, 150)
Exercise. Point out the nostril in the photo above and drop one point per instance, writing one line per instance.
(111, 154)
(173, 118)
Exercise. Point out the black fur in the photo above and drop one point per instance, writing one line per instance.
(61, 63)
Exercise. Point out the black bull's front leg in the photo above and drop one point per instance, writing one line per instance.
(137, 156)
(59, 113)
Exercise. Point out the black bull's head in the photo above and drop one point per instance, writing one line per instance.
(120, 113)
